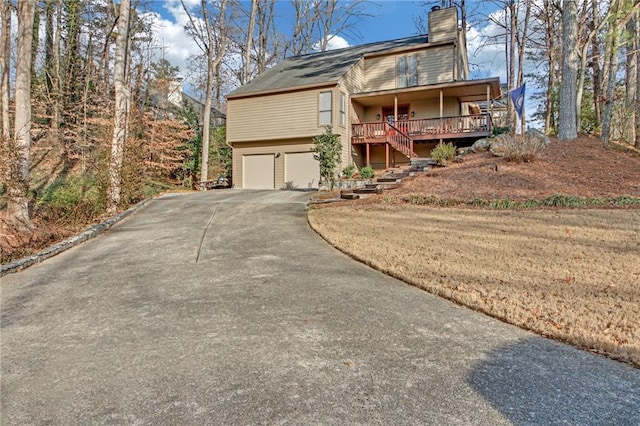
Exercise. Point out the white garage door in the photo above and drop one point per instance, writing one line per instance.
(301, 170)
(258, 171)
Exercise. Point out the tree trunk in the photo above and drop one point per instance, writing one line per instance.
(215, 53)
(5, 58)
(121, 108)
(18, 201)
(513, 28)
(249, 43)
(611, 50)
(550, 39)
(636, 37)
(595, 64)
(631, 75)
(567, 119)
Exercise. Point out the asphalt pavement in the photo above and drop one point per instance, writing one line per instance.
(224, 307)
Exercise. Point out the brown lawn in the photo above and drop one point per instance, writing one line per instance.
(570, 274)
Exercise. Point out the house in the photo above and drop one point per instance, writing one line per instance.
(169, 98)
(388, 102)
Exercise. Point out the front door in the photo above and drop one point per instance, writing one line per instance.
(388, 116)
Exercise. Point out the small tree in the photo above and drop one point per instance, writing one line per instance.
(327, 150)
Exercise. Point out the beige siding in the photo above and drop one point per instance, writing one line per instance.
(275, 117)
(267, 147)
(380, 73)
(436, 65)
(443, 24)
(353, 80)
(430, 108)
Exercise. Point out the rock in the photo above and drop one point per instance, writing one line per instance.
(537, 134)
(480, 145)
(499, 143)
(458, 159)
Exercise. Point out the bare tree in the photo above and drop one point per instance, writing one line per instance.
(18, 202)
(213, 45)
(121, 109)
(268, 48)
(631, 74)
(614, 33)
(338, 18)
(636, 36)
(567, 119)
(249, 43)
(5, 57)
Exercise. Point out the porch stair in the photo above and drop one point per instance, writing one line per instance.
(400, 141)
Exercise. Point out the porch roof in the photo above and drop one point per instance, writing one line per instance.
(465, 90)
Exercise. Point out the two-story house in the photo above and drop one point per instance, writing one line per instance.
(388, 101)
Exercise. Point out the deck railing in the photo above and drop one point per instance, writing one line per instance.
(415, 128)
(455, 124)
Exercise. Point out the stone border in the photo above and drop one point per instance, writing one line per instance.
(89, 233)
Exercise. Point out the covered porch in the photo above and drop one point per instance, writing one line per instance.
(400, 119)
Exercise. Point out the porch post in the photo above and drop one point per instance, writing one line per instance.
(395, 110)
(386, 156)
(489, 108)
(368, 162)
(441, 113)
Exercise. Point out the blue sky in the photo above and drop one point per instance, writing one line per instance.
(391, 19)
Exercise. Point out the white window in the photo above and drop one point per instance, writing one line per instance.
(324, 108)
(343, 109)
(407, 71)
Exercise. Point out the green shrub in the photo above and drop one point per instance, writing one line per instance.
(560, 200)
(626, 200)
(349, 171)
(500, 130)
(443, 153)
(74, 199)
(367, 172)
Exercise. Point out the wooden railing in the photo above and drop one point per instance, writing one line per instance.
(446, 125)
(369, 131)
(415, 128)
(400, 141)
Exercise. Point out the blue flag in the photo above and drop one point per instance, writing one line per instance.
(517, 96)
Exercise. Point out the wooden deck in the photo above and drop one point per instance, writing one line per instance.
(423, 129)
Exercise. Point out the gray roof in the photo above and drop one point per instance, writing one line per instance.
(321, 67)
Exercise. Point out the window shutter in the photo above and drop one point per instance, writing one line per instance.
(412, 70)
(401, 71)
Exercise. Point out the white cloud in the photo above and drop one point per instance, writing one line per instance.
(171, 38)
(334, 42)
(337, 42)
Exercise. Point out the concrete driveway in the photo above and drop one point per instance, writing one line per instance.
(225, 308)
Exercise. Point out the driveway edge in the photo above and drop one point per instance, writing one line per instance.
(89, 233)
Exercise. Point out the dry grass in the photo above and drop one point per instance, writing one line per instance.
(573, 275)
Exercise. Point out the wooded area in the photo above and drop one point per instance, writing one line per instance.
(88, 129)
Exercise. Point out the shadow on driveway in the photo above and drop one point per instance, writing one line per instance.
(527, 383)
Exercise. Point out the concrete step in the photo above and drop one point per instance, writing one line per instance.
(348, 194)
(376, 190)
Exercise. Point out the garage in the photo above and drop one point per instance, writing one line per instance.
(301, 170)
(258, 171)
